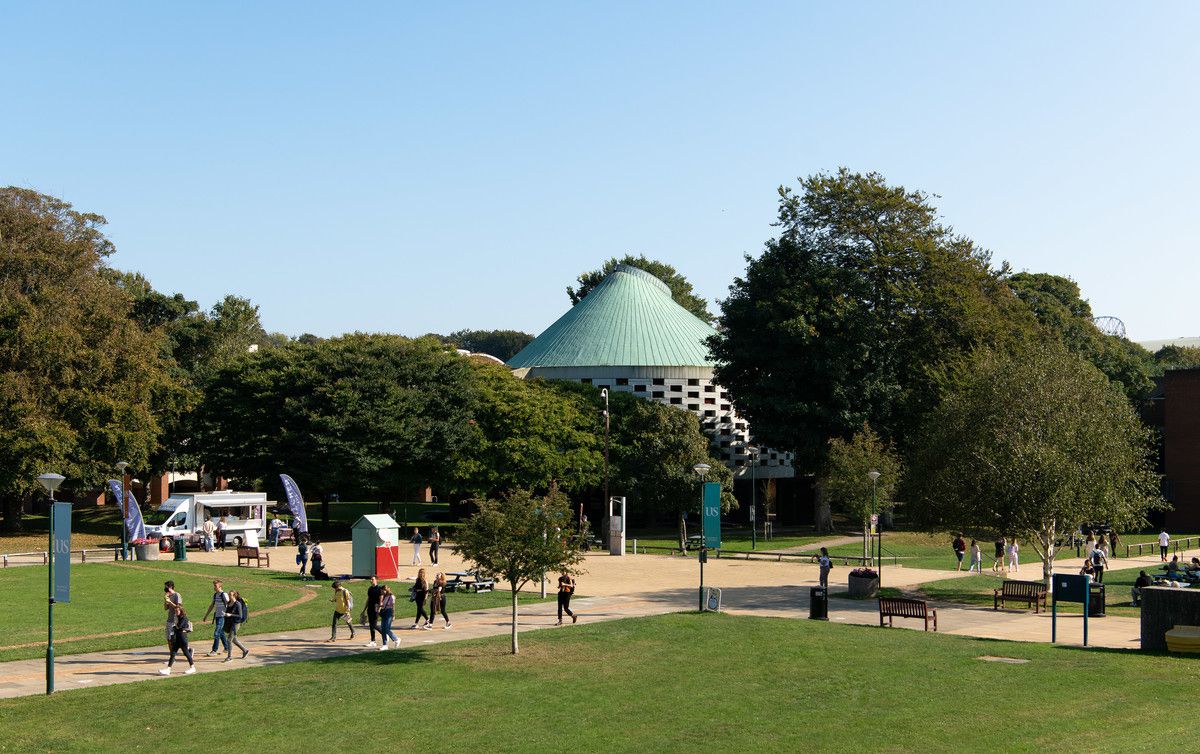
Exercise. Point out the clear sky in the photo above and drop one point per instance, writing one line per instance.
(428, 167)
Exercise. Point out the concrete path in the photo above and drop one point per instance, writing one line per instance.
(632, 586)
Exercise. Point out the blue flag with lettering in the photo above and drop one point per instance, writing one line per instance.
(134, 525)
(295, 504)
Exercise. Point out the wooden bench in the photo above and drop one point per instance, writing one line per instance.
(252, 553)
(902, 607)
(1032, 593)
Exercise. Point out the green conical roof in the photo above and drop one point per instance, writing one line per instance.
(629, 319)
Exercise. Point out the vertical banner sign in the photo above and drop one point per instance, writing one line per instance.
(295, 503)
(134, 525)
(712, 515)
(62, 552)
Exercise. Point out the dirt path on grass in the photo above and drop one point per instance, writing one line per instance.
(306, 595)
(814, 546)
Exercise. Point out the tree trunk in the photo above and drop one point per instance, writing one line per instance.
(683, 531)
(12, 514)
(823, 515)
(1043, 545)
(515, 646)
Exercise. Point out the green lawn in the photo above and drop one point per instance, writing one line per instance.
(711, 682)
(736, 541)
(977, 589)
(914, 550)
(119, 597)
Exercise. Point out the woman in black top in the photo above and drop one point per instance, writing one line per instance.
(179, 643)
(420, 592)
(566, 587)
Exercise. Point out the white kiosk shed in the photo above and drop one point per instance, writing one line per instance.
(376, 546)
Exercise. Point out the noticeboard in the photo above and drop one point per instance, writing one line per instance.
(1070, 587)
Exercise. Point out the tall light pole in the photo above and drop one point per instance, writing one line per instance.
(701, 470)
(752, 451)
(874, 476)
(604, 395)
(121, 466)
(50, 482)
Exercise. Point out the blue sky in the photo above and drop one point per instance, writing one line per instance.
(406, 168)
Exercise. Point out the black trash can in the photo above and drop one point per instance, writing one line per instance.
(181, 548)
(1096, 601)
(818, 603)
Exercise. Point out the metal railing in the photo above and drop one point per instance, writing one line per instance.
(44, 556)
(778, 557)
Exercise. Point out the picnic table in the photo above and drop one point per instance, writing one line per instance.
(469, 581)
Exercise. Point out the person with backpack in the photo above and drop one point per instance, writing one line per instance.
(1099, 561)
(435, 540)
(960, 548)
(217, 607)
(235, 616)
(420, 591)
(179, 642)
(566, 587)
(343, 603)
(374, 595)
(387, 613)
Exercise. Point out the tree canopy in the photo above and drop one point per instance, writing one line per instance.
(80, 382)
(503, 344)
(847, 316)
(681, 289)
(1031, 442)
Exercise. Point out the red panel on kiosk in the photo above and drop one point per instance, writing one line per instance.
(387, 560)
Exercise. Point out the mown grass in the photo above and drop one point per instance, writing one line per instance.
(669, 683)
(123, 597)
(978, 589)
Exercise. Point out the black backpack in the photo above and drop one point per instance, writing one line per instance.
(243, 611)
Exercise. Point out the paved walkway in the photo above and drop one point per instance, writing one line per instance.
(660, 584)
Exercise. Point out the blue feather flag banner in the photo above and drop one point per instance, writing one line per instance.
(134, 525)
(295, 504)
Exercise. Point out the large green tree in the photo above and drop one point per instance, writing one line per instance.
(1031, 443)
(845, 478)
(373, 415)
(849, 313)
(503, 344)
(653, 449)
(681, 289)
(80, 382)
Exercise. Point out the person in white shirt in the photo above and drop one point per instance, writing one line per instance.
(1014, 563)
(976, 557)
(1164, 541)
(210, 534)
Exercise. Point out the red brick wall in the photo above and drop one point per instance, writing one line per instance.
(1181, 447)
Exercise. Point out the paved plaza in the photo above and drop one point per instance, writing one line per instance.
(612, 588)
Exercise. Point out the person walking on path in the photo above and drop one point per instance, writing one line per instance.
(1099, 561)
(566, 587)
(387, 613)
(210, 535)
(172, 601)
(374, 595)
(342, 604)
(302, 554)
(435, 540)
(179, 642)
(416, 543)
(217, 608)
(437, 601)
(976, 558)
(420, 591)
(235, 616)
(826, 565)
(1164, 542)
(960, 548)
(998, 563)
(1014, 559)
(1113, 543)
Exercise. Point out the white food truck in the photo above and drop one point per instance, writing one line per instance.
(184, 513)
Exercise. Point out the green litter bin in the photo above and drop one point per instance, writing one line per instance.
(180, 548)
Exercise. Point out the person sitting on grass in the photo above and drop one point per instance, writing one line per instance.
(1143, 580)
(1193, 566)
(1173, 568)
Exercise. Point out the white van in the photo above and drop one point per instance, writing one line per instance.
(185, 513)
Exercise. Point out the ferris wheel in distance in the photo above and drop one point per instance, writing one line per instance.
(1110, 326)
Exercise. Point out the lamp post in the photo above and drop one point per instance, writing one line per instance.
(604, 395)
(874, 476)
(752, 451)
(701, 470)
(121, 466)
(50, 482)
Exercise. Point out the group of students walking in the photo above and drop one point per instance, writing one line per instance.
(228, 611)
(1005, 549)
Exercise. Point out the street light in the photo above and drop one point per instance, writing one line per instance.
(701, 470)
(121, 466)
(874, 476)
(604, 395)
(753, 453)
(50, 482)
